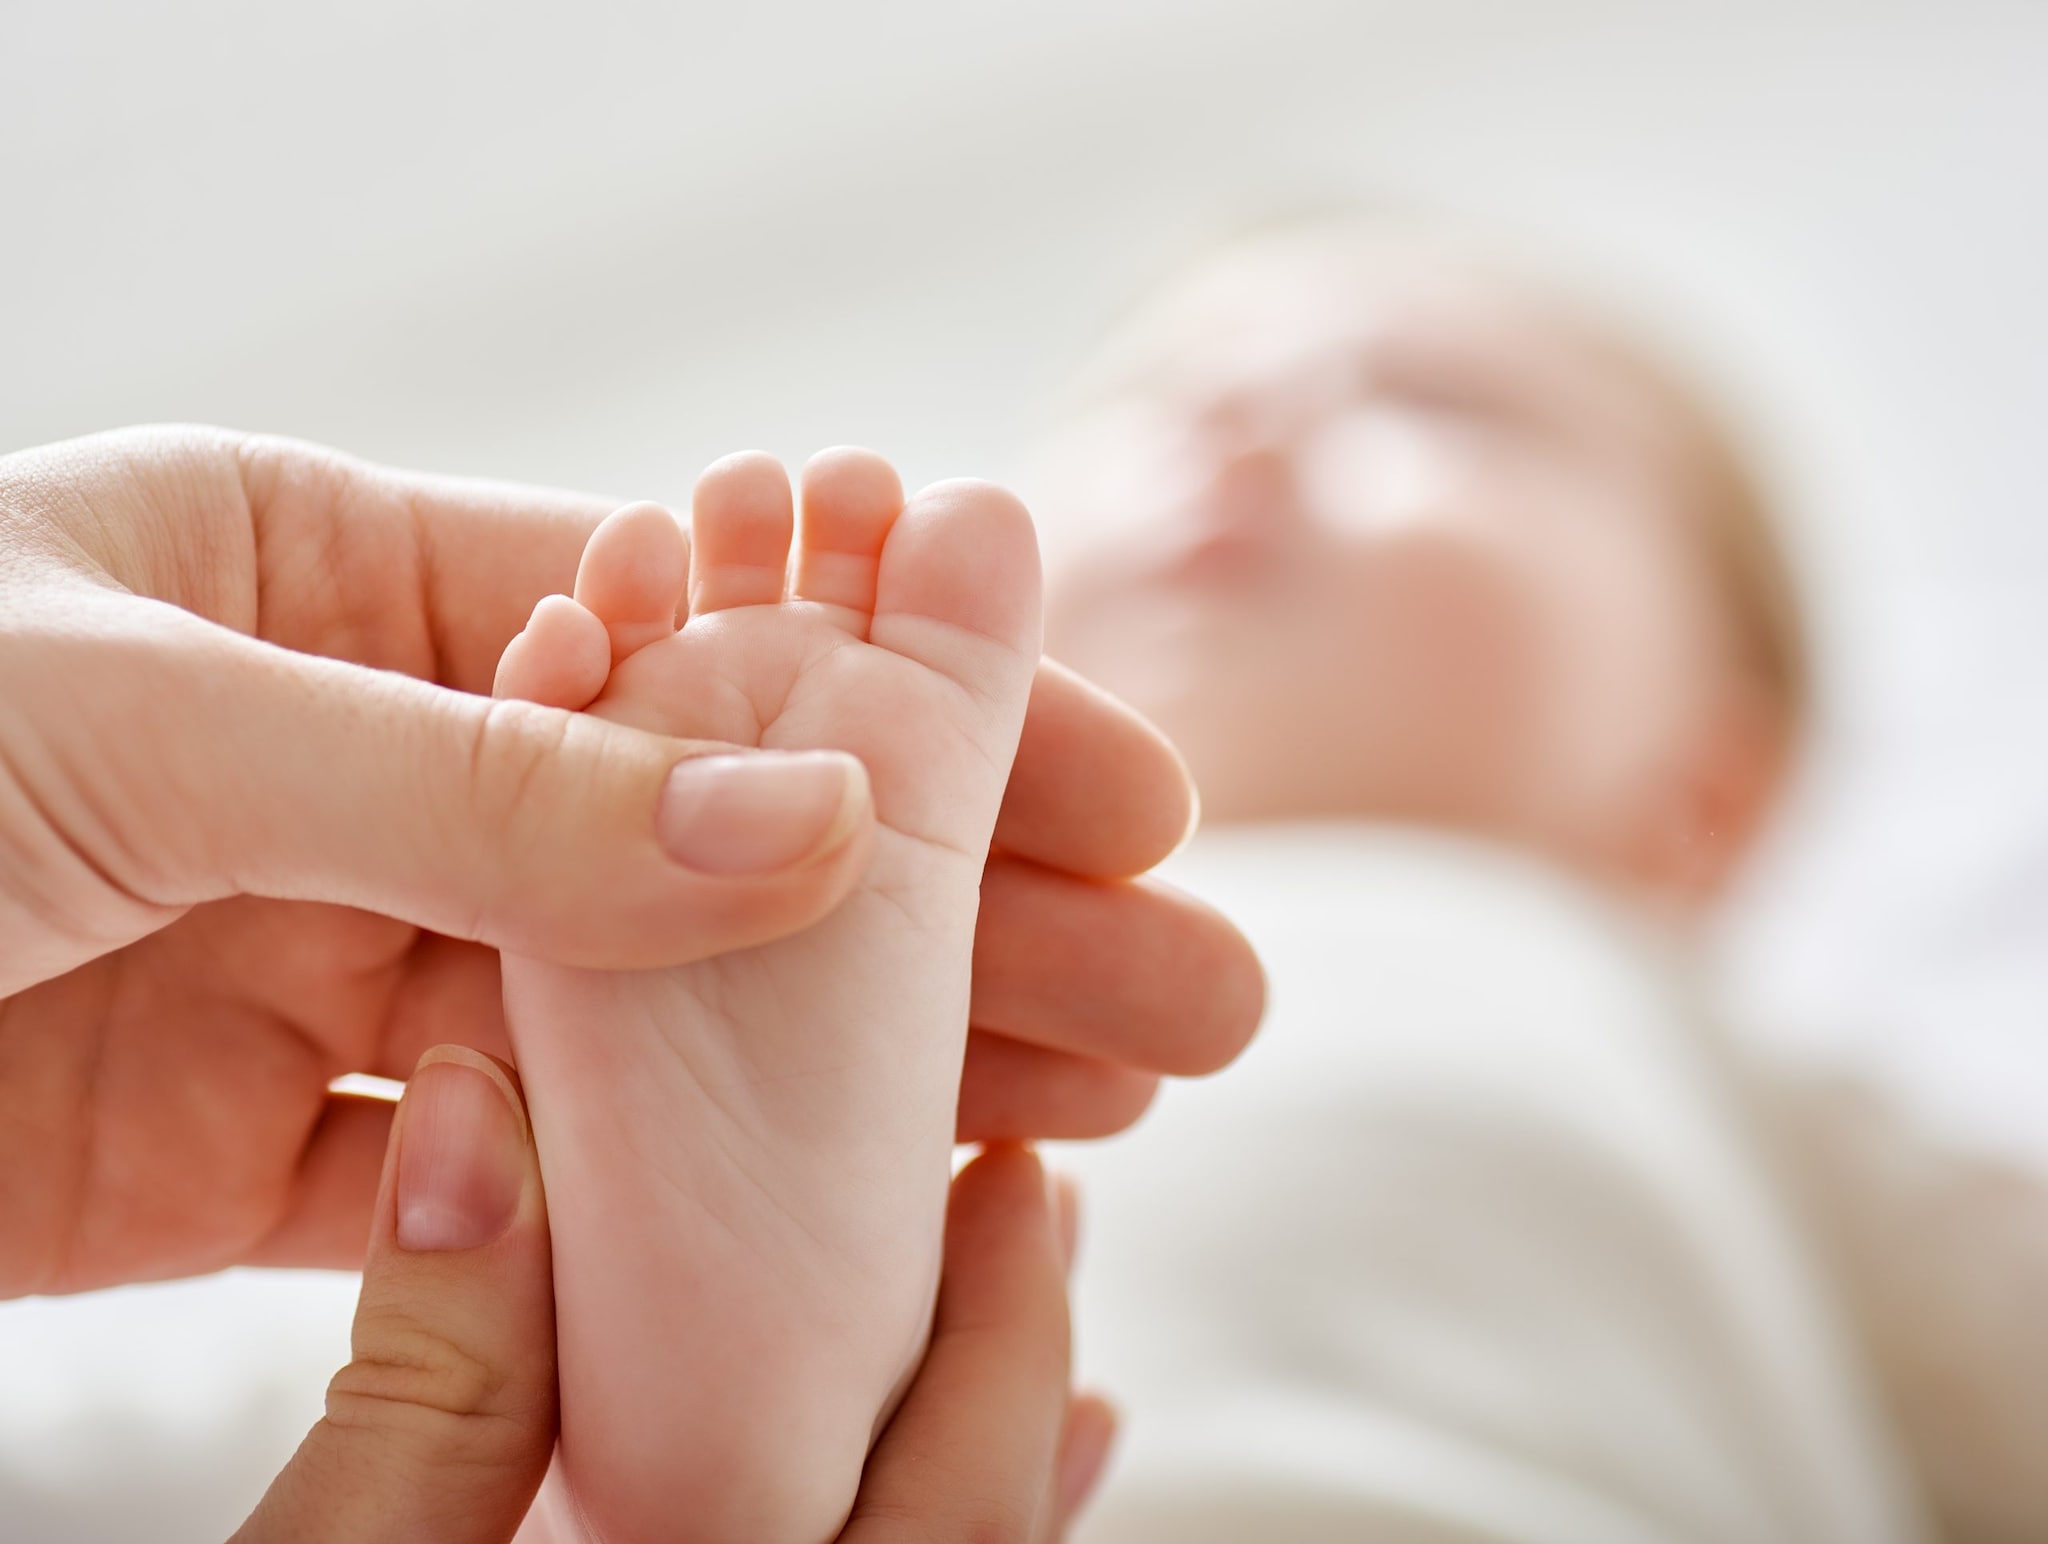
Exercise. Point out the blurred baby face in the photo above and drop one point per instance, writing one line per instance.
(1365, 540)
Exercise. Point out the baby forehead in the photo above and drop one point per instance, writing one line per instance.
(1297, 329)
(1272, 340)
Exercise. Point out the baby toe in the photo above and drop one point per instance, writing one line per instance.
(958, 588)
(850, 499)
(561, 660)
(632, 576)
(741, 521)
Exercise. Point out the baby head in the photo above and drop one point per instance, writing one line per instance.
(1372, 532)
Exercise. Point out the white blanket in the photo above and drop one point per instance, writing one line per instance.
(1473, 1244)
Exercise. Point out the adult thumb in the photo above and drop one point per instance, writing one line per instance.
(442, 1424)
(232, 766)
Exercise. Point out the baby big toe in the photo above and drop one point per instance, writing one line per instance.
(958, 588)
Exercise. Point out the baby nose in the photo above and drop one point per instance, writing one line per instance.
(1252, 491)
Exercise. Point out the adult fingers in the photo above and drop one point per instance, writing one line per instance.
(442, 1424)
(329, 1215)
(1013, 1091)
(970, 1453)
(1095, 788)
(477, 555)
(452, 993)
(1134, 973)
(180, 762)
(1085, 1441)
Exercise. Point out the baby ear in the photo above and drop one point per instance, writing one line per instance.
(1715, 797)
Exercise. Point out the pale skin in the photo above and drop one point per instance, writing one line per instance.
(241, 863)
(1373, 534)
(768, 1133)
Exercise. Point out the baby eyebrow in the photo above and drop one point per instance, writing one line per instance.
(1435, 382)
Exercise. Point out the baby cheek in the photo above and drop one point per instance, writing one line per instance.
(1461, 636)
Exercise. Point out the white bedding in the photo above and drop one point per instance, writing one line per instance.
(1473, 1245)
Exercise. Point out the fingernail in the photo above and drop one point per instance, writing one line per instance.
(761, 811)
(461, 1152)
(1084, 1456)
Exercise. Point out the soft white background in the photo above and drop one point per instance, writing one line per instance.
(598, 245)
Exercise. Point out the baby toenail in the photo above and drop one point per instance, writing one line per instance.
(759, 811)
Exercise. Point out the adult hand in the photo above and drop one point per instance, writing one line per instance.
(442, 1425)
(261, 826)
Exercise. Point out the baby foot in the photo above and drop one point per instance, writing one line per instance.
(747, 1158)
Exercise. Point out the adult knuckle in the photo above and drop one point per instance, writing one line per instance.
(511, 792)
(419, 1397)
(84, 812)
(511, 747)
(408, 1371)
